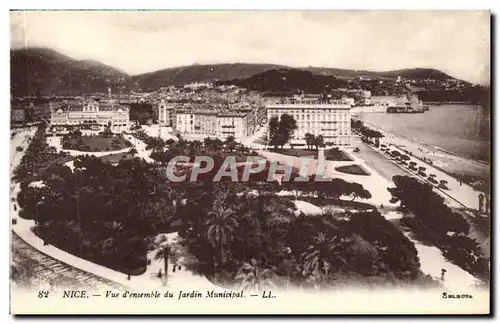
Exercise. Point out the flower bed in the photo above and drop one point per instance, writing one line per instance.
(353, 169)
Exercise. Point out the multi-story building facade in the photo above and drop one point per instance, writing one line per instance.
(239, 123)
(90, 114)
(331, 119)
(233, 124)
(165, 113)
(198, 122)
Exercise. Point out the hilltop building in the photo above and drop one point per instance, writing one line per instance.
(198, 85)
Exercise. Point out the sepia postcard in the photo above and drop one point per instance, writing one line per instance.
(250, 162)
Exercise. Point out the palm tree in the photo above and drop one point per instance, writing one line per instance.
(319, 141)
(207, 142)
(323, 255)
(242, 149)
(195, 146)
(213, 145)
(220, 228)
(230, 143)
(165, 252)
(109, 245)
(255, 278)
(309, 140)
(180, 146)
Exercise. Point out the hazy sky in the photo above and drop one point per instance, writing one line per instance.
(456, 42)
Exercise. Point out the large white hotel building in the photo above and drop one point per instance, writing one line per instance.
(239, 123)
(332, 119)
(90, 114)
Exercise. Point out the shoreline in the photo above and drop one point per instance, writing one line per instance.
(449, 162)
(468, 158)
(428, 146)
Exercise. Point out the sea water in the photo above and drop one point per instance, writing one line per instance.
(460, 129)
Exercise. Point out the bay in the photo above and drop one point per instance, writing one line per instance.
(460, 129)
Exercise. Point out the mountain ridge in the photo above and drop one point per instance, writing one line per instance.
(48, 71)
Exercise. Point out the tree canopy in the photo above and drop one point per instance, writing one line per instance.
(238, 234)
(434, 221)
(281, 130)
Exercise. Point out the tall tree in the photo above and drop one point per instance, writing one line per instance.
(165, 251)
(309, 140)
(286, 128)
(319, 141)
(323, 255)
(274, 132)
(254, 277)
(280, 132)
(230, 143)
(220, 228)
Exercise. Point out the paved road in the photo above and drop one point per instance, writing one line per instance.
(459, 197)
(253, 142)
(49, 271)
(377, 161)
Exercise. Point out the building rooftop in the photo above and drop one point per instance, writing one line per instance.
(232, 114)
(218, 113)
(308, 104)
(77, 105)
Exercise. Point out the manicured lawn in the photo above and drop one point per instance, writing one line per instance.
(115, 158)
(337, 155)
(353, 169)
(239, 157)
(346, 204)
(298, 152)
(331, 154)
(98, 143)
(94, 143)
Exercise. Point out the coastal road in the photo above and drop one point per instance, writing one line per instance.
(431, 258)
(457, 197)
(45, 270)
(377, 161)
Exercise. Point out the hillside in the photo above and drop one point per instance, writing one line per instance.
(417, 73)
(197, 73)
(287, 80)
(47, 72)
(225, 72)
